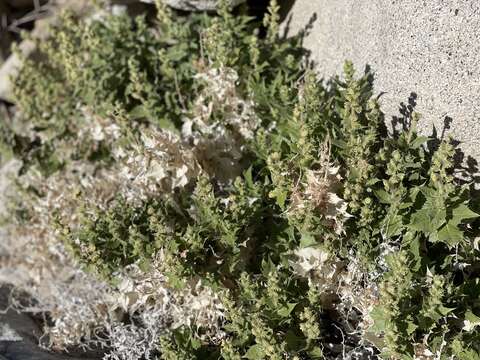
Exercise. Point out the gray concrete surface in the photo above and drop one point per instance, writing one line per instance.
(429, 47)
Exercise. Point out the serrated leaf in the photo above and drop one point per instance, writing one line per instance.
(415, 250)
(379, 320)
(383, 196)
(419, 141)
(414, 193)
(428, 219)
(307, 240)
(450, 234)
(286, 310)
(461, 213)
(255, 352)
(444, 310)
(392, 225)
(267, 266)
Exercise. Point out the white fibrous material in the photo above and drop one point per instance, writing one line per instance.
(74, 299)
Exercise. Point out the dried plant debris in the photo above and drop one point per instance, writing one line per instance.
(188, 189)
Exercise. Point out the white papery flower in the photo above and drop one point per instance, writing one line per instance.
(318, 193)
(97, 133)
(469, 326)
(220, 123)
(308, 260)
(321, 268)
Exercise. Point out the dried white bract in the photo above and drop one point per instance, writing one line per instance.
(319, 267)
(195, 305)
(158, 163)
(319, 193)
(220, 124)
(220, 98)
(341, 288)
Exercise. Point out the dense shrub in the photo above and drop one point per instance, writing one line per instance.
(191, 161)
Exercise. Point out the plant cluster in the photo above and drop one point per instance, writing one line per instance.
(215, 200)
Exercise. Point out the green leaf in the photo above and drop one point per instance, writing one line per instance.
(248, 177)
(372, 181)
(411, 328)
(415, 250)
(379, 320)
(383, 196)
(286, 310)
(470, 316)
(413, 177)
(196, 343)
(419, 141)
(444, 310)
(138, 112)
(307, 240)
(280, 197)
(461, 213)
(413, 193)
(255, 352)
(294, 341)
(316, 353)
(450, 234)
(392, 225)
(428, 219)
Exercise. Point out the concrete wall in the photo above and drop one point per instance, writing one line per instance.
(428, 47)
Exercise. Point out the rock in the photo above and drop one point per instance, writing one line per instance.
(429, 48)
(195, 5)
